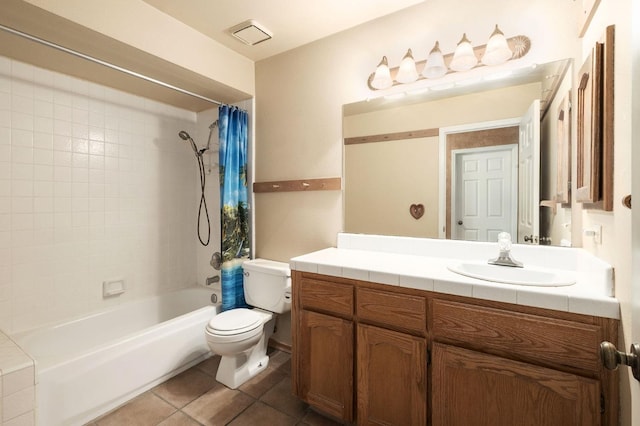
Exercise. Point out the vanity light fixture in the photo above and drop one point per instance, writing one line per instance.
(497, 51)
(382, 77)
(464, 58)
(435, 66)
(407, 72)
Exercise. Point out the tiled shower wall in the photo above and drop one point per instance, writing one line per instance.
(95, 185)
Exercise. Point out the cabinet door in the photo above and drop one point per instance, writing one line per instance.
(325, 357)
(471, 387)
(391, 377)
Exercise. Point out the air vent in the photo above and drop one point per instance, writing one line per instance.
(250, 32)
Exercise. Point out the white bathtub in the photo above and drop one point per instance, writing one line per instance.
(89, 366)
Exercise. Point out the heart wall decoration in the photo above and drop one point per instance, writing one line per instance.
(416, 210)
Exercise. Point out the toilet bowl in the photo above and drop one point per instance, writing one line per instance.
(241, 335)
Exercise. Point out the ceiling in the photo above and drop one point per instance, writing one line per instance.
(293, 23)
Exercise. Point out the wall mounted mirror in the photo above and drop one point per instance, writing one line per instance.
(411, 163)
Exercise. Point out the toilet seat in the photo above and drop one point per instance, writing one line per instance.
(234, 322)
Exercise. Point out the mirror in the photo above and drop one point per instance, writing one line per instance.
(400, 157)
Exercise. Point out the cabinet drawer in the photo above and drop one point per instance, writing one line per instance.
(527, 337)
(327, 296)
(392, 309)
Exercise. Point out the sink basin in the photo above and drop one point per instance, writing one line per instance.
(509, 275)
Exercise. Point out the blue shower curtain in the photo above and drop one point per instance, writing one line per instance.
(234, 215)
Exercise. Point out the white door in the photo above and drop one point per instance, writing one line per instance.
(529, 176)
(483, 193)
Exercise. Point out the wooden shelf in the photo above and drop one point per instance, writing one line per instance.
(324, 184)
(387, 137)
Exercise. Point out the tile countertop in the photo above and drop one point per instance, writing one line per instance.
(421, 263)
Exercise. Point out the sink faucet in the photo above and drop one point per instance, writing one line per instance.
(504, 258)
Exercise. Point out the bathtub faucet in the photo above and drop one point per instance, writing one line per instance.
(505, 258)
(213, 279)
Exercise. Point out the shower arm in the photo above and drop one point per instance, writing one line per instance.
(211, 127)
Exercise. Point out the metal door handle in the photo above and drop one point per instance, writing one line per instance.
(528, 238)
(612, 357)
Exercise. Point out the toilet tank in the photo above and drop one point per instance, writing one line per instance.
(267, 284)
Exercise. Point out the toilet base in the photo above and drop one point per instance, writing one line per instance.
(234, 370)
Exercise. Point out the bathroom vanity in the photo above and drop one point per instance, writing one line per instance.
(385, 333)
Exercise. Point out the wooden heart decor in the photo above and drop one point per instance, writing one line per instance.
(416, 210)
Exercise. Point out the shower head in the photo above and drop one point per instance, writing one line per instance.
(185, 137)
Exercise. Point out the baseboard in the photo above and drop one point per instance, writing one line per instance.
(279, 346)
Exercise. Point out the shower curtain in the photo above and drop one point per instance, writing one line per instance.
(234, 215)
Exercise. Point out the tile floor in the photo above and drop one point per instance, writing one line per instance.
(195, 398)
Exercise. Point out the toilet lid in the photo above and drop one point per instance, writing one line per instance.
(234, 321)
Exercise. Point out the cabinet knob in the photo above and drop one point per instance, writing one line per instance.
(612, 357)
(460, 222)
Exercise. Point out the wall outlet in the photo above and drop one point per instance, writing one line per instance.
(595, 232)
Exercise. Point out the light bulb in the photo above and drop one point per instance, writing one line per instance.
(497, 51)
(382, 77)
(407, 72)
(435, 66)
(464, 58)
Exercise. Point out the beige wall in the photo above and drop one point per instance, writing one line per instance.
(383, 179)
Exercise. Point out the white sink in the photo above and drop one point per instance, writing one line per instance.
(532, 276)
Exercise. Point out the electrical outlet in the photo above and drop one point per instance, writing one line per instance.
(597, 238)
(595, 232)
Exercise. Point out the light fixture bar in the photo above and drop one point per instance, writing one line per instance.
(519, 45)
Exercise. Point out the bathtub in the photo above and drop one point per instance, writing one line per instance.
(89, 366)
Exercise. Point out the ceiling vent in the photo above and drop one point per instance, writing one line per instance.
(250, 32)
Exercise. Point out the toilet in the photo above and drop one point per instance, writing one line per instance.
(240, 336)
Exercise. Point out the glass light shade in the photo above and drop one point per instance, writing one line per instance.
(382, 77)
(435, 66)
(464, 58)
(407, 72)
(497, 51)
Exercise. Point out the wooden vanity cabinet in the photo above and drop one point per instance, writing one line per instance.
(540, 366)
(378, 354)
(391, 357)
(471, 387)
(383, 334)
(323, 344)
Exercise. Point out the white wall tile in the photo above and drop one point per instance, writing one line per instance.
(18, 380)
(27, 419)
(82, 164)
(5, 136)
(18, 403)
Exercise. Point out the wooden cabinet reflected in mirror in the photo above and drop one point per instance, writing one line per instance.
(594, 180)
(563, 184)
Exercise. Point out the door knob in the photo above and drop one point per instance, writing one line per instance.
(459, 222)
(612, 357)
